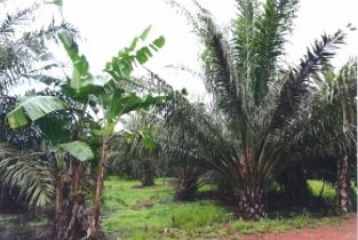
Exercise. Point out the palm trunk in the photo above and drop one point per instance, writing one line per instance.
(251, 204)
(343, 186)
(186, 186)
(147, 173)
(93, 227)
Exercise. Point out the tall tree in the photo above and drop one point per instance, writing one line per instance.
(263, 105)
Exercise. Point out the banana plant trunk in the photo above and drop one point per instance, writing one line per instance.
(58, 204)
(70, 204)
(93, 232)
(251, 203)
(343, 185)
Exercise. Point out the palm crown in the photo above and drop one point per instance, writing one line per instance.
(262, 107)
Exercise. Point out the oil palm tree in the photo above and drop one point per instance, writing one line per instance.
(25, 178)
(24, 54)
(334, 125)
(180, 149)
(24, 44)
(261, 105)
(327, 147)
(135, 146)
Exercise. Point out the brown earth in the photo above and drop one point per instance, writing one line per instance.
(347, 230)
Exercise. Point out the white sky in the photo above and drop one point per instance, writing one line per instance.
(109, 25)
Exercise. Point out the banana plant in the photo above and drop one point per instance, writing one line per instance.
(106, 97)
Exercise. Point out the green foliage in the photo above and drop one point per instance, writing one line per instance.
(28, 175)
(80, 150)
(133, 209)
(34, 108)
(122, 65)
(86, 92)
(132, 212)
(316, 186)
(263, 109)
(276, 225)
(24, 43)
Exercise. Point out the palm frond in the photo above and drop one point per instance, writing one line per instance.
(329, 131)
(23, 47)
(272, 28)
(181, 9)
(296, 91)
(27, 175)
(243, 44)
(7, 25)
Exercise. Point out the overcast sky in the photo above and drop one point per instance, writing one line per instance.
(109, 25)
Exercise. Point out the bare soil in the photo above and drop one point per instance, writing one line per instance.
(347, 230)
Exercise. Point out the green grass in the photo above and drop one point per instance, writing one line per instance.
(328, 193)
(150, 213)
(279, 224)
(143, 213)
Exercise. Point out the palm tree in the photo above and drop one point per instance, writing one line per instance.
(262, 106)
(24, 54)
(135, 147)
(24, 48)
(335, 126)
(330, 136)
(179, 145)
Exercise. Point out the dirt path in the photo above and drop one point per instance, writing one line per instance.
(346, 231)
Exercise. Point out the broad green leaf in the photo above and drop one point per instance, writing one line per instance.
(132, 46)
(123, 102)
(69, 44)
(145, 33)
(94, 87)
(143, 55)
(80, 150)
(122, 65)
(80, 73)
(159, 42)
(34, 108)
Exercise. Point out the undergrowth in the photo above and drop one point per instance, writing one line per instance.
(133, 212)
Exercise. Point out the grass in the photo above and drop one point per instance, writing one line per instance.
(139, 213)
(316, 186)
(143, 213)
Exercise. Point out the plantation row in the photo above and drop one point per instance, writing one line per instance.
(268, 128)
